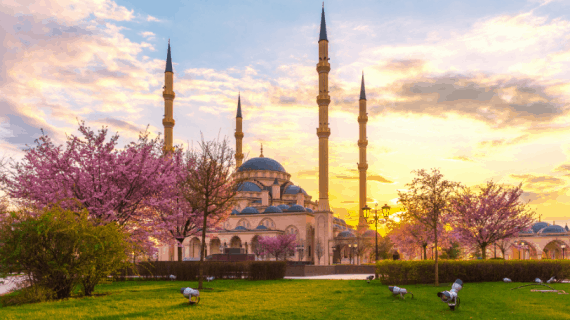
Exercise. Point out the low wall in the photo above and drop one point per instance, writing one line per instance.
(305, 271)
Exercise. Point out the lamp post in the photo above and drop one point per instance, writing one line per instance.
(375, 218)
(350, 251)
(522, 247)
(563, 249)
(355, 253)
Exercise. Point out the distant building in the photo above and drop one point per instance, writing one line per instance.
(269, 203)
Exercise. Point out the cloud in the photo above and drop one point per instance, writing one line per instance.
(369, 178)
(461, 158)
(538, 181)
(153, 19)
(503, 142)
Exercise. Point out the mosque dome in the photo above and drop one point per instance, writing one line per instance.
(296, 208)
(539, 225)
(261, 164)
(346, 234)
(249, 186)
(293, 189)
(309, 210)
(272, 209)
(234, 211)
(240, 228)
(552, 229)
(283, 207)
(261, 227)
(249, 210)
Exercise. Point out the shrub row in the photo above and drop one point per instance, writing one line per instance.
(188, 270)
(418, 272)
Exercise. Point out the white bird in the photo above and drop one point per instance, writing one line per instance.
(553, 279)
(537, 280)
(369, 278)
(507, 280)
(191, 293)
(210, 278)
(172, 277)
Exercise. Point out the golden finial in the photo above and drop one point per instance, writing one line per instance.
(323, 4)
(261, 155)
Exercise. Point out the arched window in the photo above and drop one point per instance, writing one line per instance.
(244, 223)
(268, 223)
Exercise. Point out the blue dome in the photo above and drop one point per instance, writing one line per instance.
(283, 207)
(249, 186)
(272, 209)
(552, 229)
(539, 225)
(234, 211)
(261, 227)
(296, 208)
(249, 210)
(345, 234)
(261, 164)
(240, 228)
(309, 210)
(293, 189)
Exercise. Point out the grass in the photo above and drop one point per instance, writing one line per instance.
(298, 299)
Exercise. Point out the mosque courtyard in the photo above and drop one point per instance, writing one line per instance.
(298, 299)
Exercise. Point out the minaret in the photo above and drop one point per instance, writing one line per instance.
(362, 143)
(323, 131)
(238, 134)
(168, 94)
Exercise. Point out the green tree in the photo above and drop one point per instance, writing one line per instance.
(59, 249)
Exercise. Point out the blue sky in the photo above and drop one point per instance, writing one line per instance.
(479, 89)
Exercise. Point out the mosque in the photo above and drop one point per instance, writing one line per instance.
(270, 204)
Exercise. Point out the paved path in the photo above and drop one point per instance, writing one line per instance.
(336, 277)
(9, 284)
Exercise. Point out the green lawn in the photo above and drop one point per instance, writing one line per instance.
(298, 299)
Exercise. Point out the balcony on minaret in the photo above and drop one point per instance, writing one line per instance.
(168, 94)
(301, 198)
(362, 119)
(362, 143)
(168, 123)
(264, 197)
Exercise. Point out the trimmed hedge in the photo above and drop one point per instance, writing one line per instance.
(188, 270)
(422, 272)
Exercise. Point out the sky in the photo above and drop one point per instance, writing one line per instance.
(478, 89)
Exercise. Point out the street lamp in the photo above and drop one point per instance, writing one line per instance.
(350, 251)
(375, 218)
(563, 249)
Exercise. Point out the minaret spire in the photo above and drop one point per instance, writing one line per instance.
(362, 164)
(261, 155)
(168, 60)
(168, 95)
(239, 134)
(323, 131)
(362, 90)
(239, 106)
(323, 35)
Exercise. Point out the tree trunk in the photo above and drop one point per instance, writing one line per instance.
(179, 253)
(201, 264)
(484, 251)
(425, 252)
(436, 265)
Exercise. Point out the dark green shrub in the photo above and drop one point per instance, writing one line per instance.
(59, 249)
(414, 272)
(188, 270)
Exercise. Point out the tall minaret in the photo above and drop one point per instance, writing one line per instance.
(168, 94)
(323, 131)
(362, 143)
(238, 134)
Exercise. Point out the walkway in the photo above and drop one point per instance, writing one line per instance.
(335, 277)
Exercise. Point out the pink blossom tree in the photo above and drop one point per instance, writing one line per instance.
(281, 245)
(113, 185)
(427, 201)
(409, 235)
(210, 186)
(494, 214)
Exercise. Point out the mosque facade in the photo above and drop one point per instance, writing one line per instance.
(270, 204)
